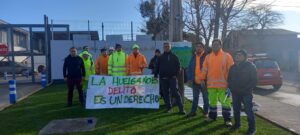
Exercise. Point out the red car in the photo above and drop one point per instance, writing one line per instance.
(268, 72)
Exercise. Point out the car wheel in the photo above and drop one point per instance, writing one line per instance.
(277, 86)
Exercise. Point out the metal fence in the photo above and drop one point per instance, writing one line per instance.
(128, 30)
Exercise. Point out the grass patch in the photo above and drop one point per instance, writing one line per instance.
(32, 114)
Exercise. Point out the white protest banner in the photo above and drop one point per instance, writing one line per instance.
(122, 92)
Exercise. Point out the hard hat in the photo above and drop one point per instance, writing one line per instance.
(111, 48)
(85, 52)
(135, 46)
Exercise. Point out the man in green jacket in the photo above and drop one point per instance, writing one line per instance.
(89, 68)
(117, 62)
(86, 49)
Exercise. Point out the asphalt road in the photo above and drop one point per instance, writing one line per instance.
(289, 93)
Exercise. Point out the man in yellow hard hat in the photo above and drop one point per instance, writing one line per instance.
(136, 62)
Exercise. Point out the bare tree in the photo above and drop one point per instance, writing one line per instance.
(198, 19)
(261, 17)
(230, 10)
(201, 16)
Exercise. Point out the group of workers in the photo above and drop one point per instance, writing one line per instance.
(214, 74)
(78, 68)
(220, 78)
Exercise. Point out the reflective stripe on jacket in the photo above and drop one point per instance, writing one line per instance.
(215, 69)
(117, 64)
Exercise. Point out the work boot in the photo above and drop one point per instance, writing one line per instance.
(169, 111)
(209, 119)
(182, 112)
(235, 128)
(191, 115)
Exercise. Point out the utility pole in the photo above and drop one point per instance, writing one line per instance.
(102, 29)
(217, 18)
(175, 21)
(175, 35)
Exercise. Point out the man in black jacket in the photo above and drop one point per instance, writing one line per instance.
(168, 67)
(74, 73)
(242, 80)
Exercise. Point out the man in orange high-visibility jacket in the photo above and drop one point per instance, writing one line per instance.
(136, 62)
(215, 71)
(102, 63)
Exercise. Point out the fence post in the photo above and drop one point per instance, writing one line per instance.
(43, 80)
(27, 73)
(5, 76)
(12, 91)
(102, 26)
(131, 24)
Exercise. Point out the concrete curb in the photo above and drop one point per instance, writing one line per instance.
(277, 124)
(267, 119)
(22, 98)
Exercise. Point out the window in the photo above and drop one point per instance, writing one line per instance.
(266, 64)
(3, 36)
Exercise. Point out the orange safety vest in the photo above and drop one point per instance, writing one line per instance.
(215, 69)
(136, 65)
(102, 65)
(197, 68)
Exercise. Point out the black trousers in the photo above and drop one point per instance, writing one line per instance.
(71, 82)
(170, 87)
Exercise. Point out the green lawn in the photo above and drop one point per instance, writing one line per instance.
(30, 115)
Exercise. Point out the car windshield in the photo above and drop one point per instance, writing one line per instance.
(266, 64)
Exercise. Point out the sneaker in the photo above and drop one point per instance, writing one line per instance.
(191, 114)
(249, 132)
(205, 115)
(182, 113)
(228, 124)
(209, 119)
(169, 111)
